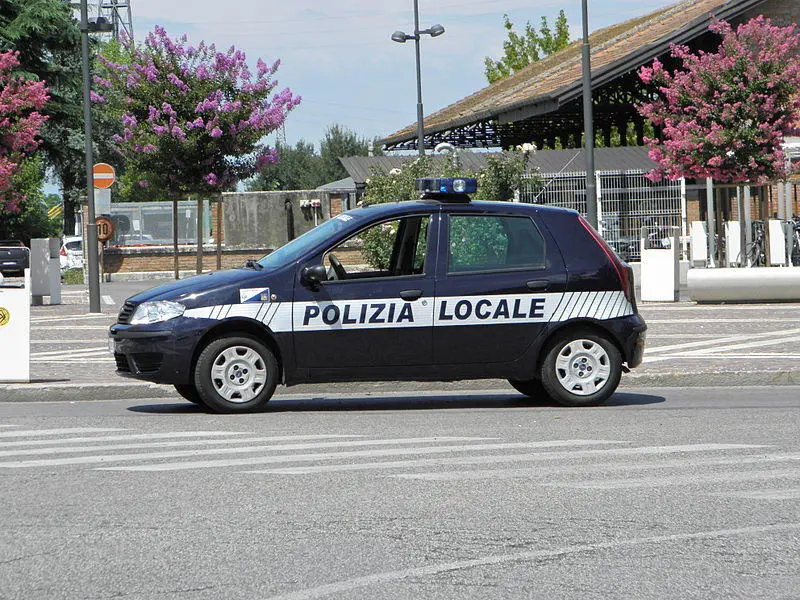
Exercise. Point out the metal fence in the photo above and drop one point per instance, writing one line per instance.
(150, 223)
(626, 202)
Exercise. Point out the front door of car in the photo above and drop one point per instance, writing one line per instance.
(376, 307)
(499, 283)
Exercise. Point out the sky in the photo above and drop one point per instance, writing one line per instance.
(338, 55)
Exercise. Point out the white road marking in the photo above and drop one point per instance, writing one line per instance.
(500, 458)
(54, 342)
(773, 494)
(108, 300)
(760, 355)
(694, 479)
(94, 361)
(777, 338)
(671, 307)
(137, 445)
(340, 587)
(423, 451)
(781, 320)
(762, 343)
(35, 432)
(321, 456)
(603, 467)
(426, 462)
(71, 353)
(245, 450)
(109, 318)
(159, 436)
(82, 327)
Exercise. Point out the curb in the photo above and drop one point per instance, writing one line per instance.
(84, 392)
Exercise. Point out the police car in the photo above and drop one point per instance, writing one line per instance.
(438, 289)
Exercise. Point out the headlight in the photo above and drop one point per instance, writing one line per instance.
(157, 311)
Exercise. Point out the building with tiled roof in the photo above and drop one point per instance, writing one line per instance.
(542, 102)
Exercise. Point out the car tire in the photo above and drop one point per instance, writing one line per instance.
(532, 388)
(236, 374)
(581, 368)
(189, 392)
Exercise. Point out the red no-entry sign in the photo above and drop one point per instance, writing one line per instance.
(104, 175)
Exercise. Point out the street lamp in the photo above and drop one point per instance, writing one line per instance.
(100, 25)
(401, 37)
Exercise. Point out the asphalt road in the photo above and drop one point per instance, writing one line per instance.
(664, 493)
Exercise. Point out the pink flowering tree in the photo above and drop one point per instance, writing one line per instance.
(193, 119)
(724, 114)
(20, 120)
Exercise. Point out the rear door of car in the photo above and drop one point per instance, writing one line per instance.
(500, 278)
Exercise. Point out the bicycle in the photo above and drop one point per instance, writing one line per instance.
(794, 223)
(755, 253)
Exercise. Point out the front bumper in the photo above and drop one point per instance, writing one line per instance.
(161, 352)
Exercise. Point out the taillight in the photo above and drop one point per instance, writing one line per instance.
(624, 272)
(63, 252)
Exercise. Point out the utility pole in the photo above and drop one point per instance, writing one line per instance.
(91, 227)
(588, 124)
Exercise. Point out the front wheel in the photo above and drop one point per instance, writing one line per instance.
(236, 374)
(581, 369)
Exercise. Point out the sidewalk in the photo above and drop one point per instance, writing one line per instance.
(687, 345)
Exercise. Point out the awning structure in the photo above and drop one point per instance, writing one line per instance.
(360, 168)
(542, 102)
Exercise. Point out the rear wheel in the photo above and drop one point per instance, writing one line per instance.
(236, 374)
(189, 392)
(581, 368)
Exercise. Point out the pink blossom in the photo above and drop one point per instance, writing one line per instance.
(210, 179)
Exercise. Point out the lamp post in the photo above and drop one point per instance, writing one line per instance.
(401, 37)
(101, 25)
(588, 125)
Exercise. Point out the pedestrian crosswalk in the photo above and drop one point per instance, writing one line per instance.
(595, 465)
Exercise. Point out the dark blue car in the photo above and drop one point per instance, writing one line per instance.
(438, 289)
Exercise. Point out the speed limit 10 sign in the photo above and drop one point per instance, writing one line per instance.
(105, 228)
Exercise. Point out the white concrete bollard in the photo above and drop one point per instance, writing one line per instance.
(660, 272)
(760, 284)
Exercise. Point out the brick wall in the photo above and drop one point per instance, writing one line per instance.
(161, 258)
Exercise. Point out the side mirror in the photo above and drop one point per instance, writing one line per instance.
(313, 276)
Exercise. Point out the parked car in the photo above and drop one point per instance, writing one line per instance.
(14, 257)
(71, 253)
(452, 289)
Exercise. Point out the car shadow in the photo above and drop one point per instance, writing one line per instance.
(405, 402)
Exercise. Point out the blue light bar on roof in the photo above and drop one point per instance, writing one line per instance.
(447, 185)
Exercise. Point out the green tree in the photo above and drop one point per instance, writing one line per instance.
(299, 168)
(47, 37)
(339, 142)
(520, 50)
(31, 220)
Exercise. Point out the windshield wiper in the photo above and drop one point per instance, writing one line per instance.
(253, 264)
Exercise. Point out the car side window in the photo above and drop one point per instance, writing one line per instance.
(388, 249)
(479, 243)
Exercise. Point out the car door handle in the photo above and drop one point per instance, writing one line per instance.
(410, 294)
(538, 285)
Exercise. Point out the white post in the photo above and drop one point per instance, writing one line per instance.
(15, 332)
(684, 218)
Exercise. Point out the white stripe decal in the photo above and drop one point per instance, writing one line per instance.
(442, 311)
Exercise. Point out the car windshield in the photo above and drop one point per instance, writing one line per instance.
(299, 246)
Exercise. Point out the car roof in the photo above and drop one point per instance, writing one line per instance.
(409, 206)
